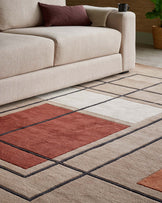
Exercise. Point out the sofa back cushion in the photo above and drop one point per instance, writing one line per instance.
(22, 13)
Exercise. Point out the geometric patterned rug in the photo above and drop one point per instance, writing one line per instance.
(95, 142)
(47, 131)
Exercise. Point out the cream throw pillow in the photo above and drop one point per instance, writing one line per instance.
(98, 15)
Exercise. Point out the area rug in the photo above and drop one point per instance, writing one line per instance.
(95, 142)
(48, 131)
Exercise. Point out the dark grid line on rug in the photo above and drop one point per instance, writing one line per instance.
(53, 118)
(152, 92)
(105, 91)
(33, 124)
(126, 95)
(75, 155)
(26, 150)
(114, 80)
(126, 154)
(31, 174)
(134, 87)
(43, 100)
(127, 188)
(90, 174)
(123, 86)
(141, 74)
(143, 100)
(113, 182)
(109, 82)
(77, 110)
(73, 111)
(149, 76)
(110, 161)
(14, 193)
(108, 181)
(112, 140)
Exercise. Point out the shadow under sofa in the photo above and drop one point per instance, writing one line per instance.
(37, 60)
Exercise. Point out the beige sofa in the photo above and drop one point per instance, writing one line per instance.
(36, 59)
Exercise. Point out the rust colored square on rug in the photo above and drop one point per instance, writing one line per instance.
(58, 132)
(154, 181)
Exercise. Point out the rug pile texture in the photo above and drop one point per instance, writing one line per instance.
(97, 142)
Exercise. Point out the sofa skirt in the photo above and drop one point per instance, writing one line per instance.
(50, 79)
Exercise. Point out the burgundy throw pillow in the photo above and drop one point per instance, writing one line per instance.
(64, 15)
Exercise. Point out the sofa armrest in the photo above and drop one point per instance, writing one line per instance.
(124, 22)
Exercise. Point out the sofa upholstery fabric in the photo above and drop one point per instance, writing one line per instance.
(77, 43)
(22, 13)
(98, 15)
(51, 79)
(64, 15)
(35, 59)
(22, 53)
(125, 22)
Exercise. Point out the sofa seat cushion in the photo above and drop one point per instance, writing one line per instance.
(77, 43)
(22, 53)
